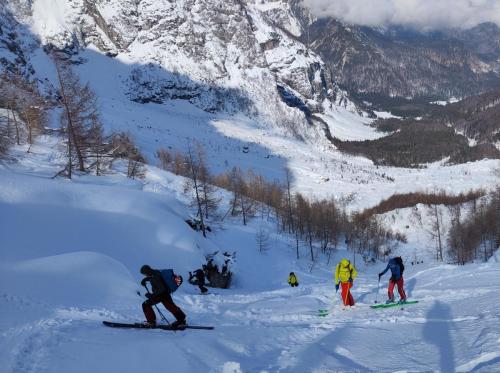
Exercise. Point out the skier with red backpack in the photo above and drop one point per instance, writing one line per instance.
(397, 268)
(163, 283)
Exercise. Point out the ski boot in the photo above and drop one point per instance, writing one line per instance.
(179, 324)
(149, 324)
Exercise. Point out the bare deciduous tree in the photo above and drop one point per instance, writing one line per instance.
(480, 230)
(194, 184)
(24, 105)
(436, 231)
(124, 148)
(262, 238)
(199, 183)
(80, 113)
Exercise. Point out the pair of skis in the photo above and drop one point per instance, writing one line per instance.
(158, 326)
(393, 304)
(326, 312)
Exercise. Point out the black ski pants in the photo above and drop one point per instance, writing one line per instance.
(166, 300)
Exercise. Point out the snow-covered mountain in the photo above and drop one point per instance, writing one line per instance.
(272, 59)
(380, 64)
(222, 56)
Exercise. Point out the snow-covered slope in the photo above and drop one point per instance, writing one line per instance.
(70, 255)
(159, 82)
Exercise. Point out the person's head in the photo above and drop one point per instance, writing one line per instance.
(344, 262)
(292, 274)
(146, 270)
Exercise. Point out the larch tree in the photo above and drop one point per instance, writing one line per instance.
(80, 114)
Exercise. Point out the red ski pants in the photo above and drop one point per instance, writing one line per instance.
(346, 294)
(401, 290)
(167, 301)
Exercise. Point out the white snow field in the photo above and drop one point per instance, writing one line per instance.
(70, 253)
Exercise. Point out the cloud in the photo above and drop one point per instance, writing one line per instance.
(421, 14)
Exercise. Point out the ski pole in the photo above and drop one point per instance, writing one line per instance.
(161, 314)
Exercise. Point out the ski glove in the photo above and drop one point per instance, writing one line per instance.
(337, 287)
(148, 295)
(379, 275)
(143, 282)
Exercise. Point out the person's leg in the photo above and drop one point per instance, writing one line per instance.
(147, 308)
(390, 290)
(350, 298)
(401, 289)
(172, 307)
(345, 293)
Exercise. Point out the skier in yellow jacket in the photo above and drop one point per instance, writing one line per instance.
(293, 280)
(345, 273)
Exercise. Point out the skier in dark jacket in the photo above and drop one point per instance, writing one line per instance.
(396, 266)
(198, 278)
(160, 292)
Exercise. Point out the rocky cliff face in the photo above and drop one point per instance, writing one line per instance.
(396, 62)
(12, 49)
(221, 55)
(268, 59)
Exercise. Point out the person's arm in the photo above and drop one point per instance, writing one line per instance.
(337, 274)
(385, 270)
(354, 273)
(145, 279)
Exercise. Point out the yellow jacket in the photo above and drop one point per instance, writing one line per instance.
(345, 271)
(292, 279)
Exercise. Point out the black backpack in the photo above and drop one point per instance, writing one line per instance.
(399, 262)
